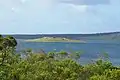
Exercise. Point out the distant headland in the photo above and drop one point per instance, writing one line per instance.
(52, 39)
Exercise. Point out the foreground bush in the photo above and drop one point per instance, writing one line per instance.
(52, 66)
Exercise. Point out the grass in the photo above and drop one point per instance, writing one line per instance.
(52, 39)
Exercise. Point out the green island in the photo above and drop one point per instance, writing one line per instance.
(52, 39)
(27, 65)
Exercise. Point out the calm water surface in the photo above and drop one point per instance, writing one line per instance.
(91, 49)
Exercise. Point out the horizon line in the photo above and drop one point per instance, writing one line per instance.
(57, 33)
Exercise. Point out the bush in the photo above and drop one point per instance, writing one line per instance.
(42, 67)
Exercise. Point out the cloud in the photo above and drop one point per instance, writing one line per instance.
(79, 8)
(86, 2)
(59, 15)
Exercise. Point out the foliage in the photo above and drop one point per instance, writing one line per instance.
(7, 42)
(44, 67)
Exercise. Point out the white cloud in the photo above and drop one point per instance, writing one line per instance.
(80, 8)
(23, 1)
(86, 2)
(38, 13)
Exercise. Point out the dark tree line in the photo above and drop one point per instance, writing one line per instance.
(7, 42)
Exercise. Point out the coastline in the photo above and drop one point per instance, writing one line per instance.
(56, 39)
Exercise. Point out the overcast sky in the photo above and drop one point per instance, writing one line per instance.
(59, 16)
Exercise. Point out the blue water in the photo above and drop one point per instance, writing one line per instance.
(91, 49)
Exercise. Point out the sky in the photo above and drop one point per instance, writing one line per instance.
(59, 16)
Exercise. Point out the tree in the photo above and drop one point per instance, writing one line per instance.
(7, 42)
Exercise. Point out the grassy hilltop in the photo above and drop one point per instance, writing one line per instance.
(52, 39)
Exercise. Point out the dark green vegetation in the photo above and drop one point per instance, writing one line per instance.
(51, 66)
(6, 42)
(52, 39)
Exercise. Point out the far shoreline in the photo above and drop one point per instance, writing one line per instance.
(54, 40)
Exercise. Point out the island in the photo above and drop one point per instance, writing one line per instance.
(52, 39)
